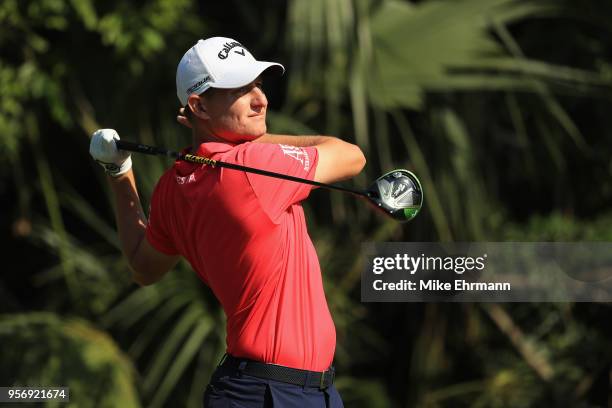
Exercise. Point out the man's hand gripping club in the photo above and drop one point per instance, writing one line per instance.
(104, 150)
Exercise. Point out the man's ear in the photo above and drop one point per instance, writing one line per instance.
(197, 106)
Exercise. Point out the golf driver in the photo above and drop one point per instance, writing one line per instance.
(397, 193)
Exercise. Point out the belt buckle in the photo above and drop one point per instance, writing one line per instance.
(331, 375)
(222, 360)
(322, 385)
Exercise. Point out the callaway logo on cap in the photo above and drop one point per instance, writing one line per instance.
(217, 62)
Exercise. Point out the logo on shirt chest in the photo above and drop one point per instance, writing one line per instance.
(298, 154)
(187, 179)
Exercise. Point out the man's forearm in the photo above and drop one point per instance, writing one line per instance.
(131, 220)
(298, 141)
(338, 160)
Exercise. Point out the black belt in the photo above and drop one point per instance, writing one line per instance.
(296, 376)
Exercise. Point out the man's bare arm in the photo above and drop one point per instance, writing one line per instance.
(338, 160)
(148, 264)
(292, 140)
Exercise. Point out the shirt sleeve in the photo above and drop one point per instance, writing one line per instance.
(157, 232)
(277, 195)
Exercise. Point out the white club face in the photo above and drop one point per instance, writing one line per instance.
(398, 193)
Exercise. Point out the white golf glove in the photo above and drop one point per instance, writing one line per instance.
(104, 150)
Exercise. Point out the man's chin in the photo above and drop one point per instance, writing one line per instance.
(248, 136)
(255, 134)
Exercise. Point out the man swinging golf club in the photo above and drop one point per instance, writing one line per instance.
(244, 234)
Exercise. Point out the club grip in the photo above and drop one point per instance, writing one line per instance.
(146, 149)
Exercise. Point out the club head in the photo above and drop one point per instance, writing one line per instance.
(397, 193)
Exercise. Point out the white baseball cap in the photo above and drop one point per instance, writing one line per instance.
(217, 62)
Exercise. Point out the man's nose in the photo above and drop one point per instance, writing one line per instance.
(259, 98)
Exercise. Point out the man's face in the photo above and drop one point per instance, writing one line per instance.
(237, 115)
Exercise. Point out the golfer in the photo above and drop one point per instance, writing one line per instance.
(244, 234)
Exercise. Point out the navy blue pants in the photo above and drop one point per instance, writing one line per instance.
(230, 389)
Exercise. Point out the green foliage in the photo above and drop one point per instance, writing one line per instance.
(43, 77)
(559, 227)
(45, 350)
(172, 323)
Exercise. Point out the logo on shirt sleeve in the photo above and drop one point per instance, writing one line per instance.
(298, 154)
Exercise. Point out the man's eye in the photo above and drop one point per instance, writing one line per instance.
(247, 88)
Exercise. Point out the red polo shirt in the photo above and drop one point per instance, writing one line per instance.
(245, 235)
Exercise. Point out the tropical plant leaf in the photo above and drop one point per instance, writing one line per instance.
(44, 349)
